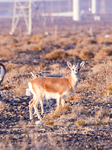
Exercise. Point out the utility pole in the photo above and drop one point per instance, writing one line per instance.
(76, 10)
(20, 10)
(94, 6)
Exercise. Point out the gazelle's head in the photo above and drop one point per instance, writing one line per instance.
(75, 69)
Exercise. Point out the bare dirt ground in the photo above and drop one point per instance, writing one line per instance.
(86, 120)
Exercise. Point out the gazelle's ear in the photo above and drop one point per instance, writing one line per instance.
(82, 64)
(69, 64)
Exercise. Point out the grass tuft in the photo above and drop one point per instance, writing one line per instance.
(86, 55)
(80, 122)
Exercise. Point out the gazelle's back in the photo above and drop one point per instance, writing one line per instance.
(49, 84)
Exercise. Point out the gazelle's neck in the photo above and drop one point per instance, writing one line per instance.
(74, 81)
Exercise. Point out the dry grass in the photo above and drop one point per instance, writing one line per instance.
(58, 112)
(48, 122)
(102, 41)
(86, 55)
(107, 51)
(75, 97)
(41, 65)
(2, 106)
(35, 38)
(56, 55)
(6, 53)
(108, 90)
(80, 122)
(63, 42)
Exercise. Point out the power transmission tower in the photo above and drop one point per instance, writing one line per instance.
(102, 7)
(25, 10)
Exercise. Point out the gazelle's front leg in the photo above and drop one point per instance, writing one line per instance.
(63, 102)
(42, 109)
(58, 102)
(30, 109)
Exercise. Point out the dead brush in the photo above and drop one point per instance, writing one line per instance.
(73, 52)
(64, 42)
(38, 47)
(75, 97)
(58, 112)
(80, 122)
(107, 51)
(108, 90)
(2, 106)
(56, 55)
(86, 55)
(90, 41)
(7, 53)
(101, 41)
(35, 38)
(101, 117)
(106, 120)
(48, 122)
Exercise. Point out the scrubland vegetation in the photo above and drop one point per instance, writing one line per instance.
(86, 120)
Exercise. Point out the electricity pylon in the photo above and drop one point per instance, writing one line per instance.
(102, 7)
(20, 10)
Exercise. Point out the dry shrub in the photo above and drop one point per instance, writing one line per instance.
(80, 122)
(78, 41)
(109, 88)
(108, 91)
(35, 38)
(38, 47)
(10, 66)
(63, 42)
(58, 112)
(73, 52)
(102, 41)
(6, 53)
(75, 97)
(106, 120)
(7, 39)
(86, 55)
(56, 55)
(48, 122)
(107, 51)
(90, 41)
(26, 42)
(2, 106)
(105, 40)
(41, 65)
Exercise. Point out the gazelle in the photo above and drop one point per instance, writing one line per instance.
(53, 87)
(2, 74)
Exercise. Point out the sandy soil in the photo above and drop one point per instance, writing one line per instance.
(86, 120)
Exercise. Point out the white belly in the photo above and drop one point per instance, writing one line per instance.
(51, 95)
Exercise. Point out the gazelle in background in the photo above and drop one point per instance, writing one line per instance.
(2, 74)
(53, 87)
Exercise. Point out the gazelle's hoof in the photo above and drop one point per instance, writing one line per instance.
(38, 122)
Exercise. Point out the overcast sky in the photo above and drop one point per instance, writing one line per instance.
(13, 0)
(18, 0)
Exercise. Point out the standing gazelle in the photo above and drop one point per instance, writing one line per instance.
(52, 87)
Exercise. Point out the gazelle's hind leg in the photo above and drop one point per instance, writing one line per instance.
(30, 109)
(36, 110)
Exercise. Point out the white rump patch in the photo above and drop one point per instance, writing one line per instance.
(28, 92)
(31, 90)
